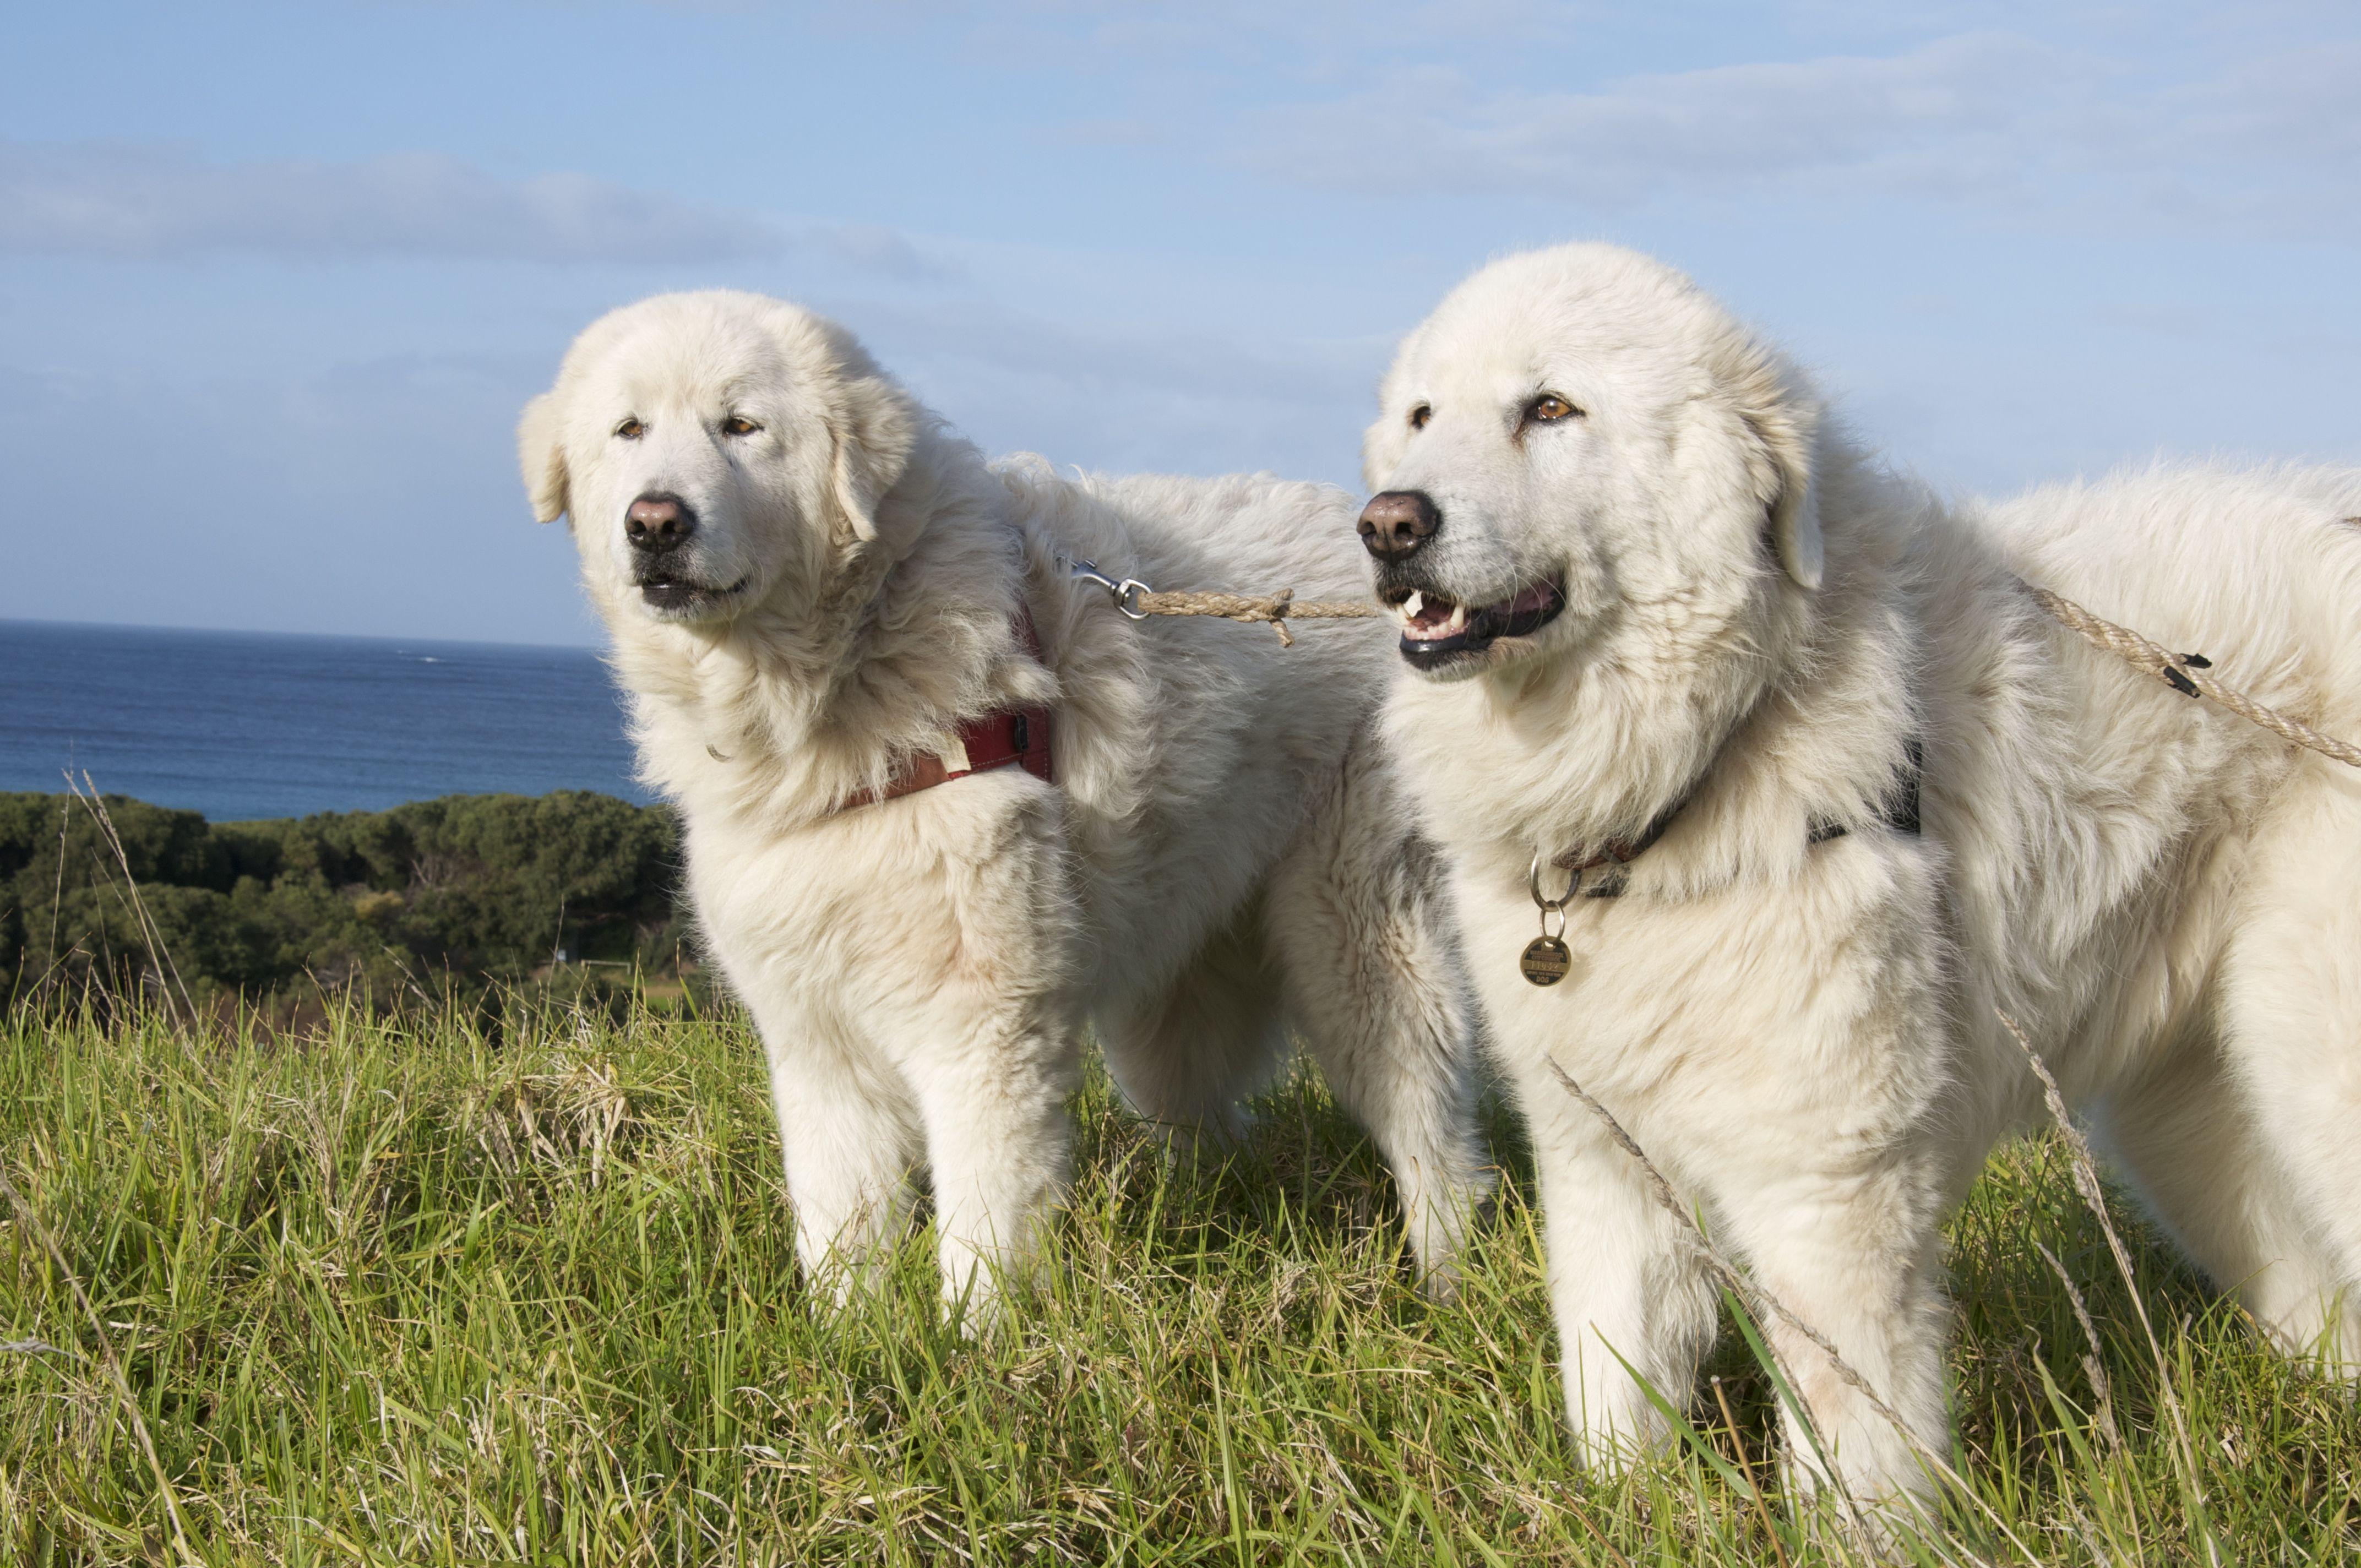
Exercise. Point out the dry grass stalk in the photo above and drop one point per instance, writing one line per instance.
(582, 1109)
(58, 894)
(2094, 1366)
(2085, 1168)
(1762, 1509)
(86, 791)
(113, 1364)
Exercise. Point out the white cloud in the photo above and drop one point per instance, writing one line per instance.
(2263, 146)
(868, 247)
(1200, 395)
(1306, 35)
(1106, 359)
(1721, 128)
(144, 200)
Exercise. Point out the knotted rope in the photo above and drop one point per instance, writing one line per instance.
(2188, 673)
(1274, 608)
(1137, 601)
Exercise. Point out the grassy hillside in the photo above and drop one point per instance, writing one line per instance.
(396, 1295)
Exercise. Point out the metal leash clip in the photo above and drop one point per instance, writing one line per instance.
(1125, 594)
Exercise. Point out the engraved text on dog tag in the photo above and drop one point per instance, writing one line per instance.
(1545, 960)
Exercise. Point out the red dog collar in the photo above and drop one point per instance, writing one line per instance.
(996, 739)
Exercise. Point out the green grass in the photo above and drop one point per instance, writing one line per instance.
(402, 1294)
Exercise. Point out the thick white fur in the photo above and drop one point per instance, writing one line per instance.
(1804, 1038)
(1222, 853)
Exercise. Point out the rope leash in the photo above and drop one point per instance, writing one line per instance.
(1251, 607)
(2188, 673)
(1137, 601)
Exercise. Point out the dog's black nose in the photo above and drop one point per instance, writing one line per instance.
(658, 522)
(1396, 524)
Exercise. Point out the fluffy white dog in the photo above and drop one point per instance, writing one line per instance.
(834, 621)
(1668, 625)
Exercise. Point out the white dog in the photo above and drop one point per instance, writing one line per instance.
(823, 606)
(1666, 624)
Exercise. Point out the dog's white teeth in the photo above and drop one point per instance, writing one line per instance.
(1413, 605)
(1458, 618)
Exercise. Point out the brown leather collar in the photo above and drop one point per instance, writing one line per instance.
(1621, 851)
(1616, 852)
(1901, 815)
(989, 740)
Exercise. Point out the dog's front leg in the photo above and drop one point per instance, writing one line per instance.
(1632, 1303)
(849, 1137)
(1856, 1256)
(992, 1051)
(998, 1140)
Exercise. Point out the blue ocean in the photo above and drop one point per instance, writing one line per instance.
(247, 725)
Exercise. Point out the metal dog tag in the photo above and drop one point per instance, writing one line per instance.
(1546, 960)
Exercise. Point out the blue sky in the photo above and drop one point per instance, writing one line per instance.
(274, 281)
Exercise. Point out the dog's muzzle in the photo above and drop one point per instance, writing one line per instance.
(1437, 630)
(658, 526)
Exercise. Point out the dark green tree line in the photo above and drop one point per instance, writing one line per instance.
(464, 890)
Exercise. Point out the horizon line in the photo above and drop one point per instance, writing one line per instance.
(594, 648)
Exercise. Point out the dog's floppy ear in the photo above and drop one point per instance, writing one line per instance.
(876, 426)
(1786, 422)
(1796, 515)
(543, 457)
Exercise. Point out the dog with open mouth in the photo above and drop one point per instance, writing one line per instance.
(1765, 787)
(1440, 635)
(944, 807)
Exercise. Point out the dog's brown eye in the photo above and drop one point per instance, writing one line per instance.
(630, 430)
(1549, 407)
(1420, 415)
(739, 425)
